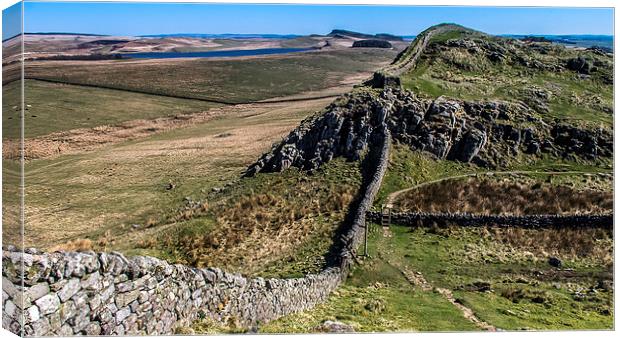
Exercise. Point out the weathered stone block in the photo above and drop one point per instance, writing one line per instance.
(10, 309)
(122, 314)
(41, 327)
(67, 311)
(48, 304)
(32, 314)
(93, 329)
(92, 281)
(70, 289)
(37, 291)
(123, 299)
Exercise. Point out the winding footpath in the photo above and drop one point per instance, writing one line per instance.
(394, 195)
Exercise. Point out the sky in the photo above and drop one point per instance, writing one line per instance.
(132, 19)
(11, 21)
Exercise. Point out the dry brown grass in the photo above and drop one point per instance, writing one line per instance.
(81, 244)
(585, 246)
(260, 227)
(254, 229)
(486, 196)
(592, 243)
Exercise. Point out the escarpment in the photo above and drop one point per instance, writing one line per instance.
(488, 134)
(490, 131)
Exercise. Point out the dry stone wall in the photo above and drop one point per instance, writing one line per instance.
(525, 221)
(70, 293)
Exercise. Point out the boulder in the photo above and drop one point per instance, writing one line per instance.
(335, 327)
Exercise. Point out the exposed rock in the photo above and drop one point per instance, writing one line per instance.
(480, 132)
(335, 327)
(48, 303)
(580, 65)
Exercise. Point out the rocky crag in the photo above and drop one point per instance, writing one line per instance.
(489, 133)
(485, 133)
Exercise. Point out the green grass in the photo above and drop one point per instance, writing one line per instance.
(408, 168)
(377, 298)
(460, 74)
(232, 80)
(56, 107)
(457, 258)
(402, 309)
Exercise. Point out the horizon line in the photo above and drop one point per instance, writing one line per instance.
(283, 34)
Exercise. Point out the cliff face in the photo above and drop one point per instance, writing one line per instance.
(486, 133)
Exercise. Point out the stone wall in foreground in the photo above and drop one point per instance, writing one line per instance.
(70, 293)
(525, 221)
(102, 294)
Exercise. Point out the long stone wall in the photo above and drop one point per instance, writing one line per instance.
(68, 293)
(525, 221)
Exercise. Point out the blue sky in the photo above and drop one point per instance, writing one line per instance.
(158, 18)
(11, 21)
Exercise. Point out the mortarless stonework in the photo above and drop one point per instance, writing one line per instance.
(523, 221)
(69, 293)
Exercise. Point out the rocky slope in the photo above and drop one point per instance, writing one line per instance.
(486, 133)
(489, 132)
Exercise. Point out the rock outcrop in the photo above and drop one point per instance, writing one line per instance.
(489, 134)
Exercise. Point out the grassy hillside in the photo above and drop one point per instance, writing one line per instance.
(104, 192)
(260, 225)
(557, 82)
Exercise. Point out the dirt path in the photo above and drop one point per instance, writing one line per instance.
(417, 279)
(393, 196)
(467, 312)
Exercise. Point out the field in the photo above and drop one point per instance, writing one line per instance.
(513, 195)
(158, 174)
(113, 187)
(86, 107)
(411, 279)
(238, 80)
(448, 278)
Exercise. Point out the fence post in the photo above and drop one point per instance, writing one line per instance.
(366, 238)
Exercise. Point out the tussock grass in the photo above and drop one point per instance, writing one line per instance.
(267, 222)
(489, 196)
(82, 244)
(572, 244)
